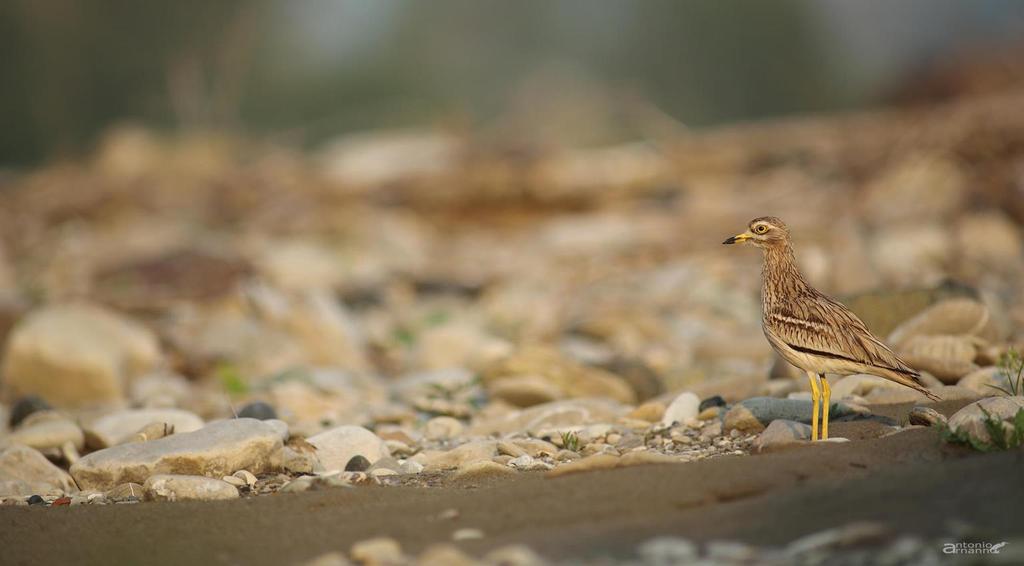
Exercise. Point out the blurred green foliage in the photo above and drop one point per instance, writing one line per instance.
(306, 71)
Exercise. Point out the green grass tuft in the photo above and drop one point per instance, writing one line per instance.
(571, 441)
(1011, 364)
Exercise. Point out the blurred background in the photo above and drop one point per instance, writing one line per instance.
(302, 72)
(326, 205)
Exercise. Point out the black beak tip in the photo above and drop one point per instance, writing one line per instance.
(731, 240)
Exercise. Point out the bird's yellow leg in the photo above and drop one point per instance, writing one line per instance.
(826, 400)
(815, 400)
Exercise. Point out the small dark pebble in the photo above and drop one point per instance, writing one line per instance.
(257, 410)
(25, 407)
(36, 500)
(357, 464)
(715, 401)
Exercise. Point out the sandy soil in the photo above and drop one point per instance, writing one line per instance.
(911, 481)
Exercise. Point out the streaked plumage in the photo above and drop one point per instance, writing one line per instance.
(811, 330)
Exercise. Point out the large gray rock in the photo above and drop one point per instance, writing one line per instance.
(24, 471)
(335, 447)
(121, 426)
(187, 488)
(216, 450)
(76, 355)
(768, 409)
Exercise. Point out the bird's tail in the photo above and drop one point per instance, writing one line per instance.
(911, 379)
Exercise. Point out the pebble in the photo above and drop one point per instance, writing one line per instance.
(472, 451)
(668, 551)
(237, 482)
(467, 534)
(299, 461)
(445, 555)
(381, 551)
(358, 463)
(329, 559)
(710, 402)
(714, 429)
(741, 418)
(782, 434)
(844, 536)
(514, 555)
(925, 416)
(730, 551)
(246, 476)
(152, 431)
(125, 492)
(25, 406)
(483, 469)
(410, 467)
(258, 410)
(710, 413)
(336, 447)
(682, 409)
(165, 487)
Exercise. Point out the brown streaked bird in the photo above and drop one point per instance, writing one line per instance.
(811, 330)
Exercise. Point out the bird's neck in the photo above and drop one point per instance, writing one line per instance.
(780, 276)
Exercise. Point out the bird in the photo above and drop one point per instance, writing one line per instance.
(813, 331)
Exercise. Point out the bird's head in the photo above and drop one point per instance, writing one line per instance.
(763, 232)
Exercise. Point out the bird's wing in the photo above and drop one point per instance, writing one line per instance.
(817, 324)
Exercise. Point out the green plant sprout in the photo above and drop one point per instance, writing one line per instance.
(1011, 364)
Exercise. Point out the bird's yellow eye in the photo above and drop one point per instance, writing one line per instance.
(760, 229)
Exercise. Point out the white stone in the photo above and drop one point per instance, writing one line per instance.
(683, 408)
(218, 449)
(335, 447)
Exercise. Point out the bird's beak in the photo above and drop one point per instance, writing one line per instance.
(739, 238)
